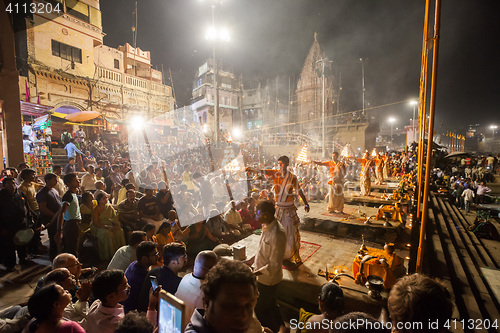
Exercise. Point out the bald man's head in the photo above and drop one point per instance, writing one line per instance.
(203, 262)
(69, 261)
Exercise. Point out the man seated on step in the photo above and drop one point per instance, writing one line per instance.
(189, 289)
(70, 261)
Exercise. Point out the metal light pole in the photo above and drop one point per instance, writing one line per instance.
(323, 62)
(392, 120)
(363, 81)
(414, 103)
(216, 90)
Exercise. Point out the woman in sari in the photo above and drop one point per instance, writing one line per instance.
(86, 209)
(106, 227)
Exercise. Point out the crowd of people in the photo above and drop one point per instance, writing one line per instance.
(124, 211)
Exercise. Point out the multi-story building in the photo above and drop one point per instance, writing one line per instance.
(65, 65)
(268, 108)
(202, 103)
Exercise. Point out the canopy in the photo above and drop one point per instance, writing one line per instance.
(82, 124)
(82, 116)
(458, 153)
(33, 109)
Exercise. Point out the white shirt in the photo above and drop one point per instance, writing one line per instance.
(76, 311)
(60, 187)
(190, 293)
(27, 146)
(482, 190)
(27, 130)
(270, 255)
(233, 217)
(468, 194)
(88, 182)
(101, 319)
(122, 258)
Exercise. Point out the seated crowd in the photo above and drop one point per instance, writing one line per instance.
(133, 235)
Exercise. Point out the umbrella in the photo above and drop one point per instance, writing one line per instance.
(82, 116)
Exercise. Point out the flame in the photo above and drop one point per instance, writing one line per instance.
(229, 138)
(234, 165)
(303, 155)
(374, 152)
(346, 152)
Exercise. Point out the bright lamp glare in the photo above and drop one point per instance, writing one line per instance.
(211, 33)
(413, 102)
(205, 128)
(221, 34)
(392, 119)
(493, 126)
(237, 132)
(224, 35)
(137, 122)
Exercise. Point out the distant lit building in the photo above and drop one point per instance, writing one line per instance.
(268, 108)
(202, 102)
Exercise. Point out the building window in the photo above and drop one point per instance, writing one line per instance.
(117, 64)
(66, 52)
(78, 9)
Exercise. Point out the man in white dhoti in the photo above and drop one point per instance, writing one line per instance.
(379, 165)
(286, 187)
(364, 177)
(336, 192)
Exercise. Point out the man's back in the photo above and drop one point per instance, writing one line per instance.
(271, 253)
(122, 258)
(135, 274)
(166, 278)
(190, 293)
(51, 199)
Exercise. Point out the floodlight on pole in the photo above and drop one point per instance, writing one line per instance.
(363, 81)
(237, 132)
(137, 123)
(493, 128)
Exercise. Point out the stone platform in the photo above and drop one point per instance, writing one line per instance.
(375, 199)
(351, 224)
(300, 287)
(386, 187)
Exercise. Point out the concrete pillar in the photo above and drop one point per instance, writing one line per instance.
(9, 92)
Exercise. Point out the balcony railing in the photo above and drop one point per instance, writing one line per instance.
(108, 75)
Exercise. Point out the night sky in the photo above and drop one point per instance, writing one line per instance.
(270, 37)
